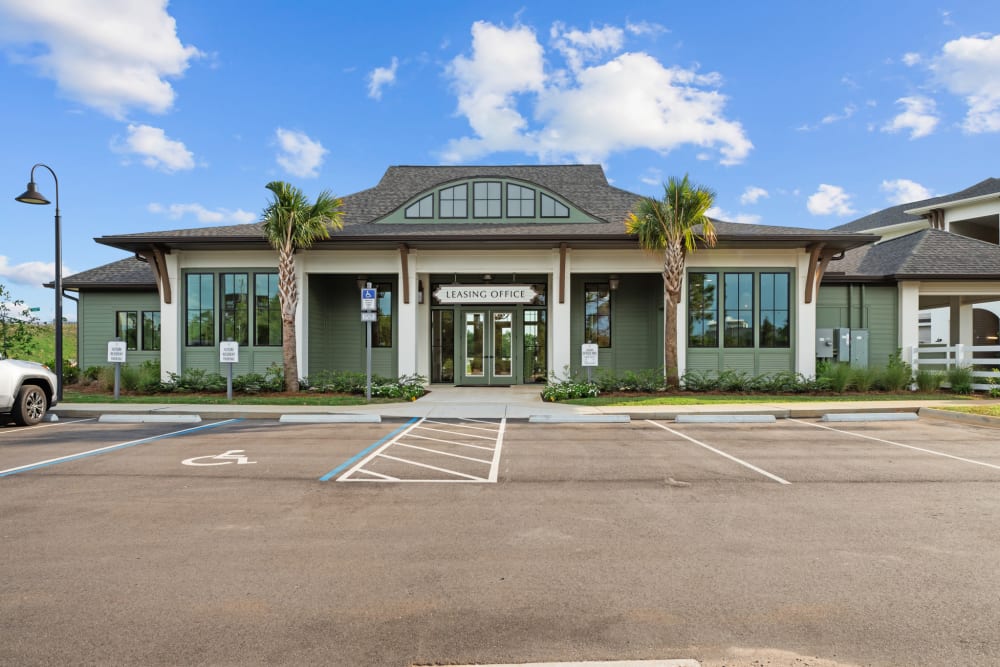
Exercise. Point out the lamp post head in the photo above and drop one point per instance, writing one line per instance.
(32, 196)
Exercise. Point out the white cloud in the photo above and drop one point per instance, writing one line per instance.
(911, 59)
(381, 77)
(833, 118)
(829, 199)
(111, 55)
(716, 213)
(156, 149)
(970, 67)
(300, 155)
(203, 214)
(579, 47)
(904, 191)
(920, 117)
(34, 274)
(645, 28)
(629, 102)
(753, 194)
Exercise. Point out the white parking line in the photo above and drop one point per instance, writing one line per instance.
(722, 453)
(360, 472)
(24, 429)
(899, 444)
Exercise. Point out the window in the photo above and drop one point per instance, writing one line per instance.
(151, 330)
(424, 208)
(126, 328)
(200, 310)
(520, 201)
(597, 314)
(739, 310)
(453, 202)
(703, 310)
(553, 209)
(266, 310)
(775, 320)
(382, 327)
(235, 306)
(486, 200)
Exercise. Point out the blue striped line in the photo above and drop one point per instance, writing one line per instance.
(333, 473)
(112, 448)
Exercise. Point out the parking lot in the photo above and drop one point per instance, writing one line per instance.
(462, 541)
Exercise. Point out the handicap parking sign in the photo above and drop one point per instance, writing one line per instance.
(368, 298)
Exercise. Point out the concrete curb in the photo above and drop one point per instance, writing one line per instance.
(961, 417)
(144, 419)
(579, 419)
(725, 419)
(330, 419)
(870, 417)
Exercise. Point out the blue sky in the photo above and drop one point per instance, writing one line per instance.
(164, 116)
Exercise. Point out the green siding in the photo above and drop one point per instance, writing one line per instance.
(336, 332)
(636, 323)
(96, 317)
(872, 307)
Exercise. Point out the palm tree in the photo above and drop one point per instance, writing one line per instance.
(674, 226)
(290, 223)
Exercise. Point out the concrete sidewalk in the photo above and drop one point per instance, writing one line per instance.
(517, 402)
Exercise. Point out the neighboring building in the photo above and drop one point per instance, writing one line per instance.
(939, 257)
(485, 275)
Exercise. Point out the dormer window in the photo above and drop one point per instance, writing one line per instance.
(520, 201)
(552, 208)
(454, 202)
(486, 199)
(424, 208)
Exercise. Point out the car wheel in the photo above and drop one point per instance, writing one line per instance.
(30, 405)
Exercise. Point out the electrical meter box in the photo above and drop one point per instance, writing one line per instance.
(859, 348)
(824, 343)
(842, 344)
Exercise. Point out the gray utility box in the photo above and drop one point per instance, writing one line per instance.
(851, 346)
(842, 344)
(824, 343)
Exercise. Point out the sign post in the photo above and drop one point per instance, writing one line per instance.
(116, 356)
(589, 352)
(369, 314)
(229, 354)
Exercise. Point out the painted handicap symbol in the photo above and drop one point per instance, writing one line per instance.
(233, 455)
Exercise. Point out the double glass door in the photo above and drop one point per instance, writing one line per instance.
(488, 346)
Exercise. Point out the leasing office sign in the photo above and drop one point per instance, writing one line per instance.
(484, 294)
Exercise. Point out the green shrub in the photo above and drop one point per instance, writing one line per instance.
(929, 381)
(560, 390)
(784, 382)
(864, 379)
(693, 380)
(897, 375)
(92, 373)
(838, 376)
(994, 389)
(198, 380)
(734, 381)
(960, 379)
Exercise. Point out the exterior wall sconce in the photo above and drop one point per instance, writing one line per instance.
(420, 291)
(613, 282)
(362, 282)
(487, 277)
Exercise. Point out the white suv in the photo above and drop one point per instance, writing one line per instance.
(27, 391)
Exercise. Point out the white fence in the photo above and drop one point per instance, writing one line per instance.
(983, 359)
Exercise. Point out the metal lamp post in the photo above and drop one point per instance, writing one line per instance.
(32, 196)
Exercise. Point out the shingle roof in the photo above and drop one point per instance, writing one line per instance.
(584, 186)
(927, 254)
(127, 273)
(896, 215)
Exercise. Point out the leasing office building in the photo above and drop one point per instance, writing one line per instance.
(485, 275)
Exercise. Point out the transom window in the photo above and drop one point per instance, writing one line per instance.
(520, 201)
(486, 200)
(453, 202)
(552, 208)
(424, 208)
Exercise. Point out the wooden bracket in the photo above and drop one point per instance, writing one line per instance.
(155, 257)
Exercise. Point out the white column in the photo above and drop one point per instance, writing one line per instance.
(680, 329)
(909, 316)
(560, 352)
(965, 326)
(423, 330)
(171, 327)
(301, 320)
(804, 331)
(408, 336)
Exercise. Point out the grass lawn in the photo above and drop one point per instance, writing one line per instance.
(984, 410)
(75, 396)
(44, 351)
(709, 399)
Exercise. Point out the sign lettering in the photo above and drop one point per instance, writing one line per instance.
(451, 294)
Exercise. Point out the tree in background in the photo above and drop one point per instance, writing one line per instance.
(290, 223)
(674, 226)
(17, 331)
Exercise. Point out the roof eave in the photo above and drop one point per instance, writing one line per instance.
(952, 204)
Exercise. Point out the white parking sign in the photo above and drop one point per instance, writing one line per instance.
(368, 298)
(116, 352)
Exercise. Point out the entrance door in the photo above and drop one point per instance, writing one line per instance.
(488, 346)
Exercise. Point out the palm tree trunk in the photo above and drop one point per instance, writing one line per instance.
(673, 274)
(289, 295)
